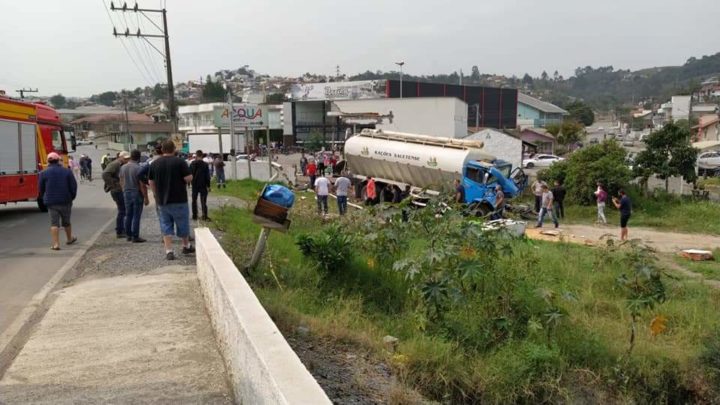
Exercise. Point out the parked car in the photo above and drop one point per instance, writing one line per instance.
(84, 142)
(541, 160)
(708, 163)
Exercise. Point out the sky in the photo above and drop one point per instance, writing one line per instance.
(67, 47)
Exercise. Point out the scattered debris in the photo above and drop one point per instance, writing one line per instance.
(697, 254)
(390, 342)
(302, 330)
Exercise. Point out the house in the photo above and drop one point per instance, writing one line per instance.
(708, 128)
(537, 113)
(121, 132)
(709, 89)
(539, 137)
(503, 145)
(698, 110)
(680, 107)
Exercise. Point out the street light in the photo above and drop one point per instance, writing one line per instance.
(401, 75)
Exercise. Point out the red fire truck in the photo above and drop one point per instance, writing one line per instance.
(28, 132)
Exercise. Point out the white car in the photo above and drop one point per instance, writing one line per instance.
(709, 160)
(541, 161)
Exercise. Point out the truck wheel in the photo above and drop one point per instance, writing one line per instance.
(530, 165)
(480, 210)
(41, 205)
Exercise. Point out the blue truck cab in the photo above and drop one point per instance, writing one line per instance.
(480, 179)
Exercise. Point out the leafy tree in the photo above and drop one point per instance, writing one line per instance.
(527, 79)
(159, 92)
(581, 171)
(107, 98)
(556, 76)
(58, 101)
(571, 132)
(553, 129)
(213, 91)
(581, 112)
(544, 76)
(668, 154)
(475, 75)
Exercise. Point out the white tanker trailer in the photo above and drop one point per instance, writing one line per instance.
(428, 163)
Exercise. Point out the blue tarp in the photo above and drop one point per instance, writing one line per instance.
(279, 195)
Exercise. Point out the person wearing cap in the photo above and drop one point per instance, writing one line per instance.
(58, 189)
(135, 195)
(111, 177)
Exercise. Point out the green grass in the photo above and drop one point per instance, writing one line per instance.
(246, 189)
(583, 361)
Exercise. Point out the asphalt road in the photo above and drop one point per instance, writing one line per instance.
(26, 261)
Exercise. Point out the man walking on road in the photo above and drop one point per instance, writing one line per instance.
(58, 189)
(342, 185)
(111, 177)
(169, 176)
(322, 190)
(200, 185)
(134, 196)
(546, 206)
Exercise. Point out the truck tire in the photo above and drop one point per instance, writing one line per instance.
(480, 210)
(530, 165)
(41, 205)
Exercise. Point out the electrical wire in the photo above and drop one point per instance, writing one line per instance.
(150, 53)
(112, 22)
(137, 51)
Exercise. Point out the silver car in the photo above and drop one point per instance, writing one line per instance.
(709, 160)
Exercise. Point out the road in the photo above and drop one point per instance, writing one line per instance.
(26, 261)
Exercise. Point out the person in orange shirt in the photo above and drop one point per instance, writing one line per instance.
(370, 192)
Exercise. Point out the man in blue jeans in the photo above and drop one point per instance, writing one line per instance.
(135, 196)
(342, 185)
(169, 177)
(111, 177)
(546, 206)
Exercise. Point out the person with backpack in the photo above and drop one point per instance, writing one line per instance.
(601, 198)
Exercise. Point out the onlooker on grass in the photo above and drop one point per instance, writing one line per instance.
(559, 197)
(220, 171)
(537, 188)
(625, 206)
(322, 190)
(342, 186)
(311, 170)
(58, 189)
(370, 191)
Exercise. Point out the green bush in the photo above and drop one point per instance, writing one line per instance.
(331, 249)
(582, 170)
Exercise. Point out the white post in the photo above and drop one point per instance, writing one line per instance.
(247, 142)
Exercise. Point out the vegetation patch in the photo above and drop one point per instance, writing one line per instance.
(483, 317)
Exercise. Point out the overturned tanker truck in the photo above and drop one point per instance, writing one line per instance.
(429, 164)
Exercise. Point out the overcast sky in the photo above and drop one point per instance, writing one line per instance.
(66, 46)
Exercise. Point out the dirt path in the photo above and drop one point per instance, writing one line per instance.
(663, 241)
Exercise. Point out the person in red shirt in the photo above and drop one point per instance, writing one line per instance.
(312, 172)
(370, 192)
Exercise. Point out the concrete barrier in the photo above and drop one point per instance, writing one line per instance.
(262, 366)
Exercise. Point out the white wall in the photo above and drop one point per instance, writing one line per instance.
(501, 145)
(438, 116)
(680, 107)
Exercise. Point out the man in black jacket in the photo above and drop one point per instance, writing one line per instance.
(200, 184)
(558, 198)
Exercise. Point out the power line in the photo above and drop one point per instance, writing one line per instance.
(112, 22)
(148, 52)
(136, 50)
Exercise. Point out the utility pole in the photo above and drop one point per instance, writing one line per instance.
(23, 91)
(166, 55)
(401, 64)
(233, 145)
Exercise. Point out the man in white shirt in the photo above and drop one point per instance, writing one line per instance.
(322, 189)
(342, 185)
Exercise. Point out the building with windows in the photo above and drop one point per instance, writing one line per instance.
(543, 140)
(533, 112)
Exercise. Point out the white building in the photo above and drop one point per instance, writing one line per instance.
(436, 116)
(197, 118)
(501, 145)
(680, 107)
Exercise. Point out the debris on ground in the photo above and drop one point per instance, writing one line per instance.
(697, 254)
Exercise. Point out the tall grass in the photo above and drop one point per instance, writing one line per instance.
(479, 355)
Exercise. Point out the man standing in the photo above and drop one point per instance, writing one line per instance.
(459, 192)
(601, 197)
(558, 193)
(370, 191)
(537, 187)
(499, 202)
(625, 207)
(322, 189)
(200, 185)
(220, 170)
(111, 177)
(134, 197)
(169, 176)
(545, 207)
(342, 185)
(58, 189)
(311, 170)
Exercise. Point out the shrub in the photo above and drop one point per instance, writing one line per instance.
(331, 248)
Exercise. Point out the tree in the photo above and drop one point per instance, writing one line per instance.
(213, 91)
(475, 75)
(571, 132)
(668, 154)
(544, 76)
(107, 98)
(581, 171)
(556, 76)
(581, 112)
(58, 101)
(527, 79)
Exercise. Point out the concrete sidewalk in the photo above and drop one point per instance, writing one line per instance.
(130, 328)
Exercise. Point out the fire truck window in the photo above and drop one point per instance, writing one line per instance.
(57, 140)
